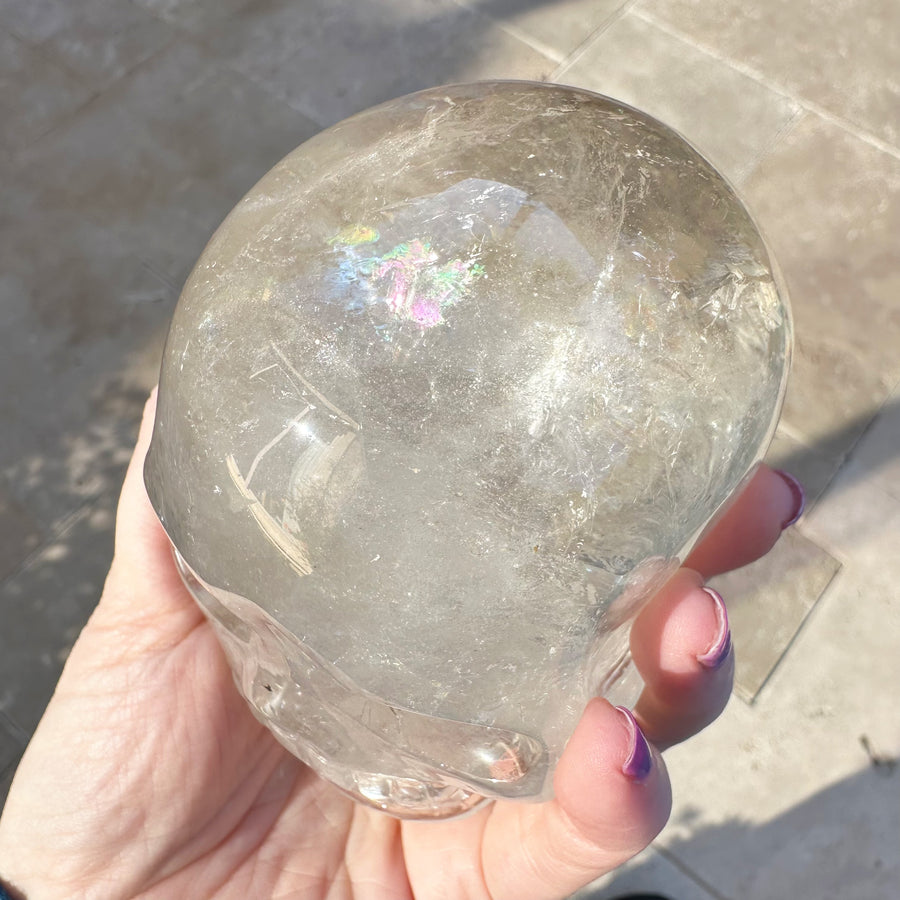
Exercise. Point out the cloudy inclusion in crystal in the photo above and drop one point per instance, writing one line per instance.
(448, 396)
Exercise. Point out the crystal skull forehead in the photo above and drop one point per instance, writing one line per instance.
(448, 395)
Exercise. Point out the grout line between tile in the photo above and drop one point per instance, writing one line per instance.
(58, 529)
(538, 46)
(41, 50)
(751, 699)
(795, 434)
(20, 156)
(277, 95)
(688, 872)
(842, 459)
(13, 729)
(514, 31)
(162, 277)
(16, 153)
(872, 476)
(774, 86)
(591, 39)
(270, 90)
(22, 39)
(778, 138)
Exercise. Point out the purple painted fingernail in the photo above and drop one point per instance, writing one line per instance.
(640, 761)
(720, 648)
(797, 493)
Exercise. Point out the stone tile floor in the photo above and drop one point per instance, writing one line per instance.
(131, 128)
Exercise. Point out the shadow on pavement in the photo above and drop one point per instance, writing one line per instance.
(840, 844)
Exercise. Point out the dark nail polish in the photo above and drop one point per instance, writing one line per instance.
(797, 493)
(640, 761)
(720, 648)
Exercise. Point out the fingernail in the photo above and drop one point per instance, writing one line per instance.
(640, 761)
(721, 645)
(797, 493)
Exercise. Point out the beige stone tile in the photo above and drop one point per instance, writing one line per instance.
(36, 20)
(20, 534)
(730, 118)
(856, 515)
(68, 281)
(842, 56)
(877, 456)
(783, 798)
(834, 845)
(45, 606)
(12, 746)
(339, 56)
(834, 390)
(12, 743)
(35, 94)
(648, 873)
(77, 309)
(109, 167)
(560, 26)
(163, 157)
(486, 52)
(830, 206)
(194, 15)
(65, 456)
(223, 130)
(5, 784)
(103, 41)
(813, 469)
(101, 222)
(768, 602)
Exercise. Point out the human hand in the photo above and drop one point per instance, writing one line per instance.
(148, 776)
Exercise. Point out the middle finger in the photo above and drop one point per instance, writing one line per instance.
(681, 645)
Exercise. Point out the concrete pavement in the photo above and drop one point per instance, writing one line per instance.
(131, 128)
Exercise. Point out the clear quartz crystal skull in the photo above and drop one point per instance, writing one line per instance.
(449, 394)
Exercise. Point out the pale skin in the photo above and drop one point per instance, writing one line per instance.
(148, 777)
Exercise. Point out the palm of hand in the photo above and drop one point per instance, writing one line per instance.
(149, 777)
(192, 797)
(189, 796)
